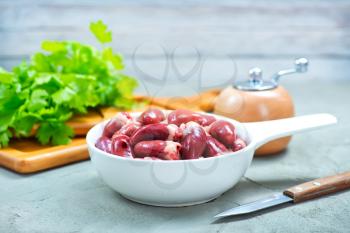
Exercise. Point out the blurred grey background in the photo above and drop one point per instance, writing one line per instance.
(206, 43)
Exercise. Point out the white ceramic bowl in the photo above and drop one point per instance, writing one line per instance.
(189, 182)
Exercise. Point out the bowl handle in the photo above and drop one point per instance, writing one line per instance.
(265, 131)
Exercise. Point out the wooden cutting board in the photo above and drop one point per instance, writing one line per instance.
(27, 155)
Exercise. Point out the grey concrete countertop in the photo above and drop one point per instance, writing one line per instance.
(74, 199)
(155, 35)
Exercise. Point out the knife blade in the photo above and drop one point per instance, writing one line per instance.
(270, 201)
(295, 194)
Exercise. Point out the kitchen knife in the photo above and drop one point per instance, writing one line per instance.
(296, 194)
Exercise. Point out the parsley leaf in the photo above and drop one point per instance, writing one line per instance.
(5, 137)
(99, 29)
(57, 133)
(5, 77)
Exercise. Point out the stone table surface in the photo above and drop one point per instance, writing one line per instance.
(226, 38)
(74, 199)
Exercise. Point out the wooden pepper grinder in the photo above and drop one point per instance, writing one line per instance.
(260, 100)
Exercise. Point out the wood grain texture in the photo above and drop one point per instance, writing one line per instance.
(27, 156)
(203, 101)
(269, 28)
(319, 187)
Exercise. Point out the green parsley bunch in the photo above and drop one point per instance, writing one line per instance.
(68, 78)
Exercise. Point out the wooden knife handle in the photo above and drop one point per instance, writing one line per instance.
(319, 187)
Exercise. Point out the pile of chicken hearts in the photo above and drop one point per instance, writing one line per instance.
(181, 134)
